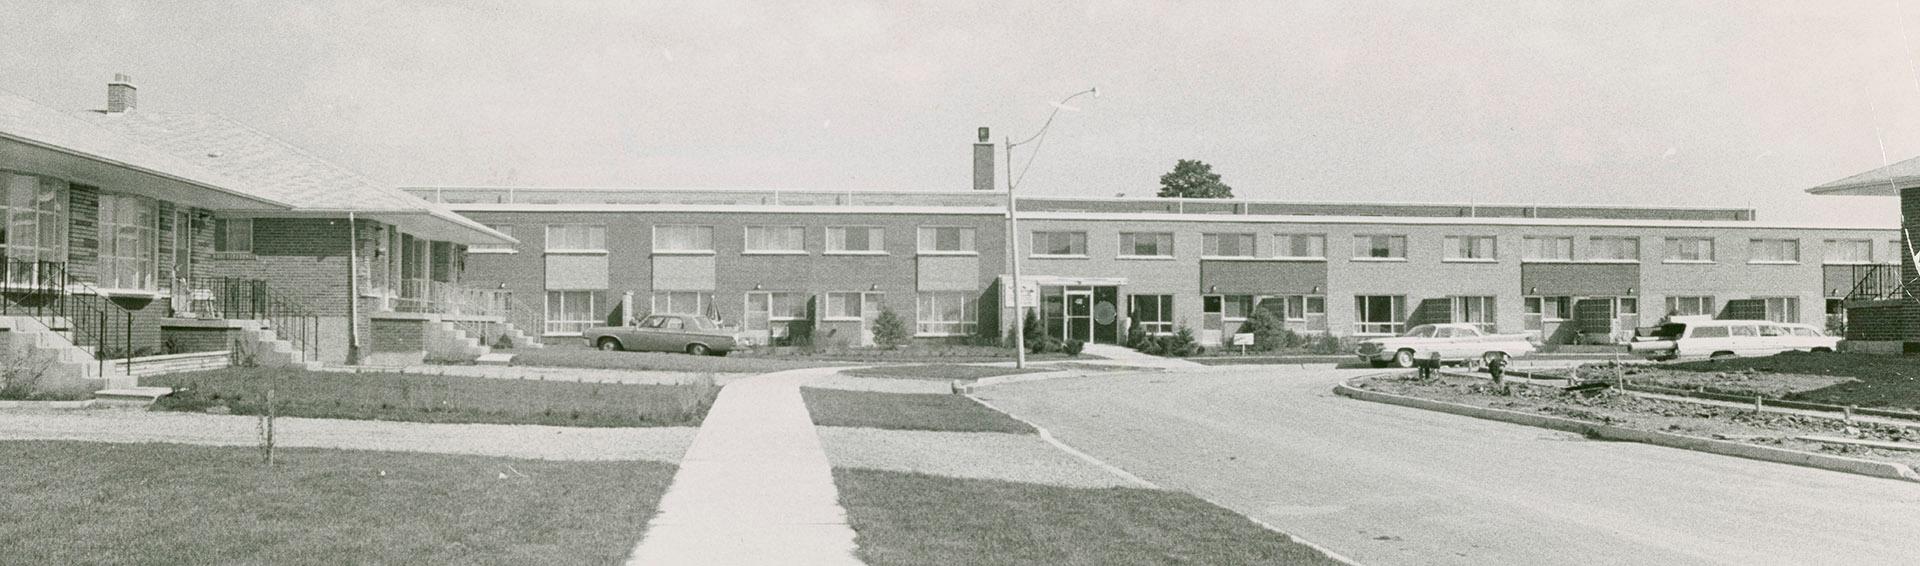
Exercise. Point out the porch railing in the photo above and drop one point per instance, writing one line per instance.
(1880, 281)
(72, 309)
(237, 298)
(449, 298)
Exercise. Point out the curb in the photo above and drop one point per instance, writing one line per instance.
(1886, 470)
(965, 388)
(1115, 470)
(48, 405)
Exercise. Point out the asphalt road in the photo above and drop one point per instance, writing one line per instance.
(1384, 484)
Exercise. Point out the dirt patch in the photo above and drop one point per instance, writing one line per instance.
(1889, 382)
(1743, 382)
(1622, 409)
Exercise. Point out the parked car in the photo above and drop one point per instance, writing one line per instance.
(693, 334)
(1456, 343)
(1698, 339)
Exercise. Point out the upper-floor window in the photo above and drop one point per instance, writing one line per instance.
(1613, 248)
(1146, 244)
(476, 248)
(776, 239)
(233, 235)
(1471, 248)
(856, 239)
(1773, 251)
(1377, 246)
(1227, 245)
(1059, 243)
(682, 238)
(590, 237)
(1533, 248)
(946, 239)
(1849, 251)
(1690, 249)
(1313, 246)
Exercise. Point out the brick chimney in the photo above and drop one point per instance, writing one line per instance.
(983, 162)
(120, 93)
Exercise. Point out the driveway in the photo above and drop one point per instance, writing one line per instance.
(1392, 485)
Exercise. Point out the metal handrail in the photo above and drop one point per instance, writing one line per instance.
(46, 291)
(238, 298)
(1878, 281)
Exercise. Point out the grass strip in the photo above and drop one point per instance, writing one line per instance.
(906, 411)
(939, 372)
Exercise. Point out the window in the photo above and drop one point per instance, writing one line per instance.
(1059, 244)
(1379, 314)
(1311, 246)
(1613, 248)
(1699, 250)
(576, 237)
(33, 222)
(682, 302)
(1849, 251)
(1689, 306)
(129, 242)
(1379, 247)
(1153, 314)
(847, 305)
(1235, 308)
(1782, 309)
(1550, 308)
(570, 312)
(1773, 251)
(675, 238)
(1226, 245)
(1710, 332)
(1298, 307)
(233, 235)
(1471, 248)
(947, 314)
(946, 239)
(775, 239)
(774, 312)
(856, 239)
(1475, 310)
(1546, 249)
(1146, 244)
(1628, 306)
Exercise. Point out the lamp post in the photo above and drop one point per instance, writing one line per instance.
(1013, 223)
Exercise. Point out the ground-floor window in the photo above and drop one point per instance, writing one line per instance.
(33, 223)
(947, 314)
(774, 312)
(129, 242)
(1219, 310)
(1689, 306)
(1299, 308)
(846, 305)
(1477, 311)
(683, 302)
(1379, 314)
(1782, 309)
(1152, 314)
(570, 312)
(1549, 309)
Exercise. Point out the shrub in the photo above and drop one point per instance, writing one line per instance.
(1033, 332)
(1269, 331)
(1073, 347)
(1327, 344)
(889, 330)
(1136, 335)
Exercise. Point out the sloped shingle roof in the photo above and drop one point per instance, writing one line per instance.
(1884, 181)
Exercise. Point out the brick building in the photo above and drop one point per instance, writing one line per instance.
(137, 239)
(1884, 311)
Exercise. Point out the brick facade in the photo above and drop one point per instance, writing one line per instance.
(83, 232)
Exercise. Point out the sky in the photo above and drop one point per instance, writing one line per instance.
(1661, 102)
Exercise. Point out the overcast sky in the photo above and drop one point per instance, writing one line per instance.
(1650, 102)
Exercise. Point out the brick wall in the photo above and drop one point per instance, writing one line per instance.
(195, 339)
(314, 237)
(1883, 321)
(83, 232)
(398, 335)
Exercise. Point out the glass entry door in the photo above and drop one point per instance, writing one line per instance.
(1079, 314)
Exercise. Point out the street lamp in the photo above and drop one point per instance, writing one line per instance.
(1013, 224)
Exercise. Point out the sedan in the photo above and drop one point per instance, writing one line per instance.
(693, 334)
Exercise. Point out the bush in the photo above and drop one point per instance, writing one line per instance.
(1179, 344)
(1136, 335)
(1073, 347)
(889, 330)
(1269, 331)
(1032, 331)
(1327, 344)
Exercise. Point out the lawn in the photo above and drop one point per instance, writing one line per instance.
(904, 518)
(1884, 381)
(941, 372)
(91, 503)
(1261, 359)
(436, 399)
(904, 411)
(581, 357)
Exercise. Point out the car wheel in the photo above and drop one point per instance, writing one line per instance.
(1403, 358)
(608, 345)
(697, 349)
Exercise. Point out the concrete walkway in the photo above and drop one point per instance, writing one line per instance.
(755, 488)
(1129, 356)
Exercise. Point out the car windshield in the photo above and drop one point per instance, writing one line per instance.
(1422, 331)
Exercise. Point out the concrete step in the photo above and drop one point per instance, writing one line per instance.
(131, 396)
(494, 359)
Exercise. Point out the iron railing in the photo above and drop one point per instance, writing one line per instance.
(237, 298)
(72, 309)
(1880, 281)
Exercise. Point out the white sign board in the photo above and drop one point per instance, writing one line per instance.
(1243, 339)
(1029, 295)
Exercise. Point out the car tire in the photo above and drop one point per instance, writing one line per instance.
(1403, 359)
(698, 349)
(608, 345)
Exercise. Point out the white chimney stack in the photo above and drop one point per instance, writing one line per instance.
(120, 93)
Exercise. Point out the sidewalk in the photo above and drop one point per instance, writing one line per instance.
(755, 488)
(1129, 356)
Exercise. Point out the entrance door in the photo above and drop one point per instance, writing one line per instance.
(1212, 319)
(1079, 315)
(869, 312)
(1106, 315)
(181, 282)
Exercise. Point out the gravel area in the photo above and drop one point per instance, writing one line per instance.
(977, 455)
(554, 374)
(660, 444)
(882, 384)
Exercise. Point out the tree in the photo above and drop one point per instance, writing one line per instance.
(889, 330)
(1192, 178)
